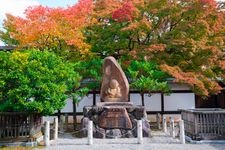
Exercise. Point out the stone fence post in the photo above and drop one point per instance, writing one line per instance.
(158, 119)
(164, 124)
(56, 126)
(90, 132)
(172, 128)
(182, 133)
(47, 133)
(139, 132)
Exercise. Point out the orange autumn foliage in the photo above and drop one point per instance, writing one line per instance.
(50, 27)
(199, 83)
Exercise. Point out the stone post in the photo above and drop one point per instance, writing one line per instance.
(90, 132)
(172, 129)
(47, 133)
(164, 124)
(158, 118)
(56, 126)
(182, 133)
(139, 132)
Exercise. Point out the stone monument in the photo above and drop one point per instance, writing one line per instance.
(115, 87)
(115, 116)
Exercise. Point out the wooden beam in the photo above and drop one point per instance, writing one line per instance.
(94, 97)
(162, 102)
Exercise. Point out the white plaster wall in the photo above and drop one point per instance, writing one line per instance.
(98, 98)
(86, 101)
(176, 101)
(153, 103)
(48, 118)
(172, 102)
(135, 99)
(68, 107)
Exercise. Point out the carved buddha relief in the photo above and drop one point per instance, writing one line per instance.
(115, 87)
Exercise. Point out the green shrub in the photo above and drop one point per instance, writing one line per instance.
(34, 81)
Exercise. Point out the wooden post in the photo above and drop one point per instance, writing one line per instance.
(47, 133)
(172, 130)
(56, 125)
(158, 118)
(139, 132)
(74, 115)
(66, 121)
(182, 133)
(62, 120)
(94, 97)
(90, 132)
(59, 113)
(164, 124)
(142, 99)
(32, 130)
(162, 102)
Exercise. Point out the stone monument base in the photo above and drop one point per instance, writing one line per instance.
(115, 119)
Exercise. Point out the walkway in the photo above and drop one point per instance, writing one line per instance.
(158, 141)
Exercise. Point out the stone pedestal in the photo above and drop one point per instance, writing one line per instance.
(113, 120)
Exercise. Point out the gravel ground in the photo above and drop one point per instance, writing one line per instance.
(158, 141)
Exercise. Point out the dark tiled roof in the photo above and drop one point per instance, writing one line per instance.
(8, 48)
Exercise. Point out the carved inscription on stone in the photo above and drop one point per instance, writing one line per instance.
(115, 118)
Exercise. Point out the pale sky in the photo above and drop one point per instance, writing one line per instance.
(17, 7)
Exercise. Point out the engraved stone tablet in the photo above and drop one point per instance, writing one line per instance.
(115, 118)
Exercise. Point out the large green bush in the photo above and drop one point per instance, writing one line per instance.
(34, 81)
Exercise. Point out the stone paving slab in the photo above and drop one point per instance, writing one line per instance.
(145, 146)
(158, 141)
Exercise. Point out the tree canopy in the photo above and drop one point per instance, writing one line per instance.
(185, 38)
(52, 28)
(34, 81)
(182, 38)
